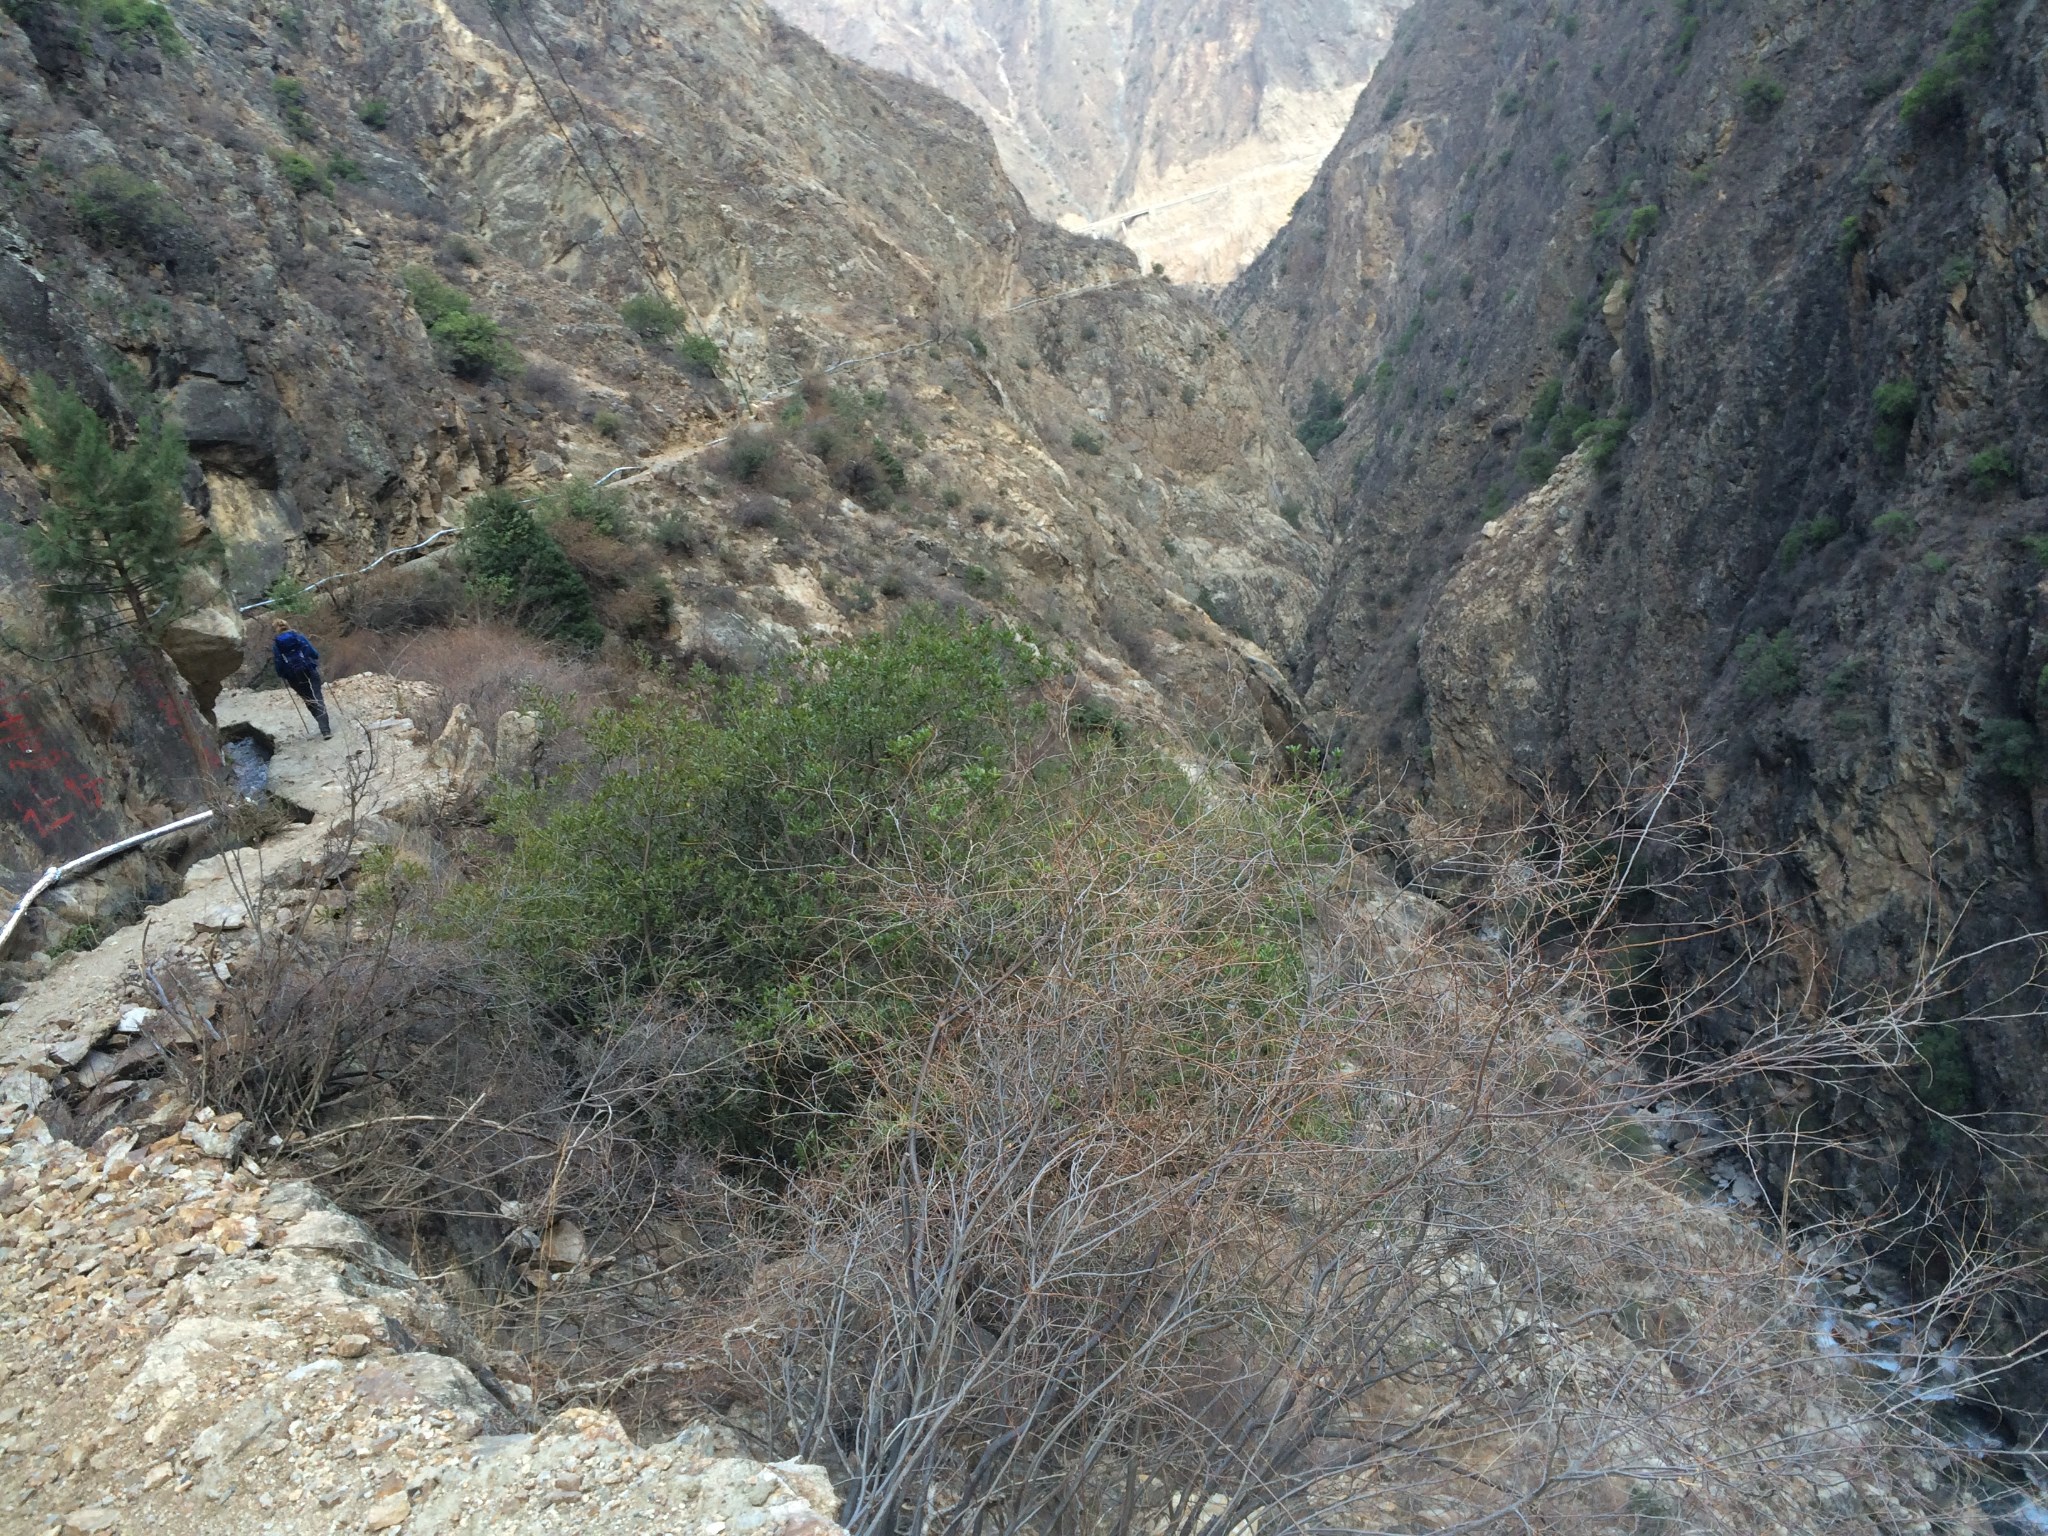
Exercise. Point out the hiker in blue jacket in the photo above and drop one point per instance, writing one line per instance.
(299, 665)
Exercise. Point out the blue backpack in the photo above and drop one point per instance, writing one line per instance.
(293, 655)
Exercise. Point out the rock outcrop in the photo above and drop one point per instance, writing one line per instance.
(193, 1348)
(1186, 127)
(1767, 280)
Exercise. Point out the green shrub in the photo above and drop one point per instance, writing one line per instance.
(1897, 404)
(301, 174)
(432, 299)
(1090, 714)
(1936, 98)
(1992, 471)
(515, 564)
(1538, 463)
(611, 426)
(470, 345)
(1940, 95)
(1895, 526)
(600, 506)
(1543, 409)
(117, 208)
(287, 596)
(474, 347)
(981, 581)
(1643, 223)
(1601, 441)
(1760, 96)
(1088, 442)
(1573, 330)
(374, 113)
(1946, 1084)
(1851, 238)
(125, 21)
(1290, 512)
(1396, 100)
(651, 317)
(2012, 750)
(751, 457)
(128, 20)
(81, 939)
(743, 829)
(701, 355)
(290, 95)
(975, 344)
(1769, 666)
(891, 465)
(1936, 565)
(112, 529)
(1805, 537)
(344, 167)
(2036, 546)
(1957, 272)
(1322, 419)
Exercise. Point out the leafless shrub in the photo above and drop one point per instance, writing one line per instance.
(492, 1147)
(762, 514)
(492, 667)
(1128, 1251)
(549, 383)
(421, 595)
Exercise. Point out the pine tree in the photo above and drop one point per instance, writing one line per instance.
(111, 532)
(516, 563)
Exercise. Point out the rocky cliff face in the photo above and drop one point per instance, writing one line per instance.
(224, 212)
(1186, 127)
(1769, 279)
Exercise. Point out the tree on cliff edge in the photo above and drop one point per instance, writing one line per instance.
(111, 530)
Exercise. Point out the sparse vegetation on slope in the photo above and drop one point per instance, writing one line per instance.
(1044, 1095)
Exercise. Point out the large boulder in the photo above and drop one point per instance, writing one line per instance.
(204, 642)
(229, 426)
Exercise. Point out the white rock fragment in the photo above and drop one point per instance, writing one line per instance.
(228, 917)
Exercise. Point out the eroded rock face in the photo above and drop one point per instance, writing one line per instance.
(1804, 332)
(1185, 127)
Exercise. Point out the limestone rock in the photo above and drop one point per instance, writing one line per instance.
(462, 752)
(518, 744)
(204, 641)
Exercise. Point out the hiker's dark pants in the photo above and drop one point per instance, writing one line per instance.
(307, 686)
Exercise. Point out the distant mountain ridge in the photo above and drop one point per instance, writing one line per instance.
(1186, 128)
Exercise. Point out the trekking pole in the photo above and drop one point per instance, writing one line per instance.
(300, 704)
